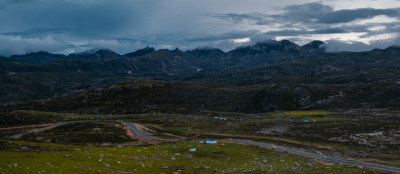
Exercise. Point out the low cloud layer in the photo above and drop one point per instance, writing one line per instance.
(67, 26)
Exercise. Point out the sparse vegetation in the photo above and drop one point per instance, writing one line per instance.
(171, 157)
(82, 133)
(328, 132)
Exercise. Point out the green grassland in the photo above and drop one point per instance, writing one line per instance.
(164, 158)
(311, 136)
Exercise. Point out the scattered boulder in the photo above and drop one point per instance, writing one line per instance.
(258, 163)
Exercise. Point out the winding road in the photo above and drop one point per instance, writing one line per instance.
(141, 134)
(249, 142)
(131, 125)
(320, 157)
(40, 130)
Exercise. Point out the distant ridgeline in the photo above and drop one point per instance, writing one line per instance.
(266, 76)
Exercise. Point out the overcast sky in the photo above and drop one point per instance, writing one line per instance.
(66, 26)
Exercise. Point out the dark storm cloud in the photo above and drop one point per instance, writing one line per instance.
(85, 18)
(35, 32)
(329, 30)
(65, 26)
(32, 23)
(317, 12)
(351, 15)
(301, 32)
(317, 20)
(256, 18)
(4, 3)
(312, 13)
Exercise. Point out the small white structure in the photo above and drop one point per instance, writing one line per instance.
(201, 142)
(193, 149)
(220, 118)
(211, 141)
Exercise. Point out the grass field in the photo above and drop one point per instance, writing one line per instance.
(164, 158)
(330, 134)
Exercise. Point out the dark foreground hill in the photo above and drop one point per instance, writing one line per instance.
(194, 96)
(144, 96)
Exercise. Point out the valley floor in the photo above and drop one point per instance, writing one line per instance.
(109, 147)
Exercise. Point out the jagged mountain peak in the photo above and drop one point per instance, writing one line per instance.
(38, 53)
(394, 47)
(95, 51)
(39, 57)
(316, 44)
(275, 42)
(148, 49)
(205, 50)
(95, 54)
(177, 50)
(267, 47)
(274, 45)
(141, 52)
(206, 54)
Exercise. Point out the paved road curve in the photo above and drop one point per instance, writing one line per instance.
(39, 130)
(140, 133)
(315, 156)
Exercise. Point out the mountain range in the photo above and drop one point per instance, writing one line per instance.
(261, 51)
(274, 74)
